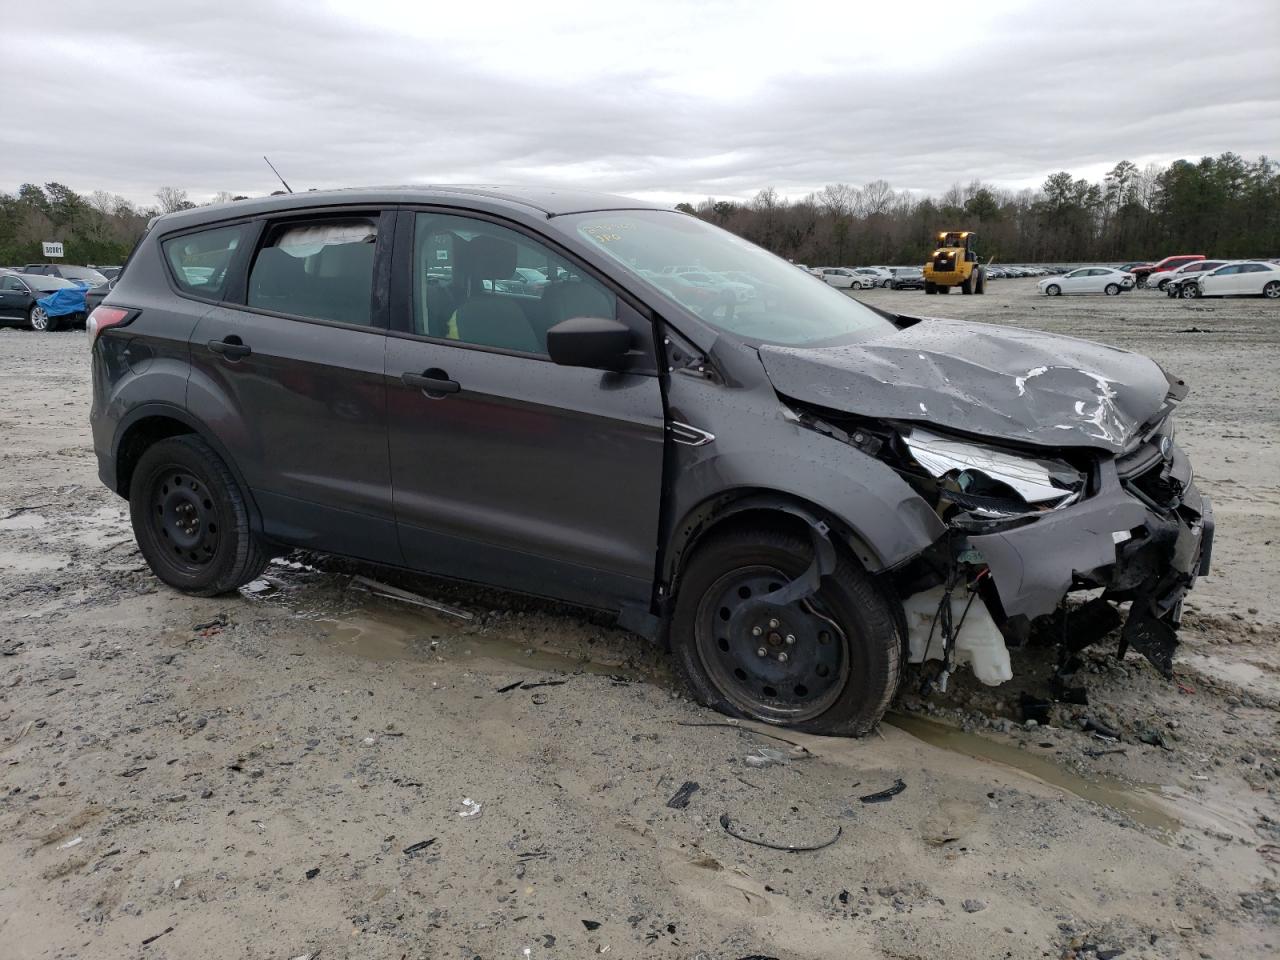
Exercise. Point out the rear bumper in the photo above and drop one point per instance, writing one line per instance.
(1136, 549)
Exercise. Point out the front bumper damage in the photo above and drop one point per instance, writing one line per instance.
(1123, 540)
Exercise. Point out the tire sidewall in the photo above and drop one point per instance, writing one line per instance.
(1053, 290)
(47, 326)
(873, 644)
(1112, 289)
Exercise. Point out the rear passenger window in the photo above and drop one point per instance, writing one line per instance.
(480, 283)
(321, 269)
(200, 261)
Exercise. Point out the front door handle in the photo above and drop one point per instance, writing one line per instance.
(433, 382)
(232, 347)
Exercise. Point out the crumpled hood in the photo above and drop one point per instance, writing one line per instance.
(1002, 382)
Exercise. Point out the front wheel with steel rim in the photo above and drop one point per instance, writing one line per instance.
(827, 663)
(1272, 290)
(1052, 290)
(38, 319)
(1189, 291)
(190, 518)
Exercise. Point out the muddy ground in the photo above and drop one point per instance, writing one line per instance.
(283, 773)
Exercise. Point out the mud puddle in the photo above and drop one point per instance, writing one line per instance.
(1134, 800)
(1238, 673)
(355, 623)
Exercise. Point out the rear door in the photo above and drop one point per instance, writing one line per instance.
(14, 298)
(509, 469)
(287, 370)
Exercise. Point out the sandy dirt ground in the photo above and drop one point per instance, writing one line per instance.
(284, 773)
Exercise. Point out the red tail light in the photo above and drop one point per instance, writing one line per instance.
(104, 317)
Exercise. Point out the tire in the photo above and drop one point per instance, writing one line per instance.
(1189, 291)
(966, 285)
(981, 286)
(1142, 282)
(40, 321)
(1161, 285)
(191, 520)
(1053, 290)
(886, 283)
(839, 674)
(1112, 289)
(930, 287)
(1272, 290)
(942, 289)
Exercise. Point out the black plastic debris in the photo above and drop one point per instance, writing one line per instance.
(150, 940)
(844, 897)
(313, 873)
(885, 795)
(591, 924)
(509, 687)
(681, 798)
(1035, 708)
(1090, 725)
(415, 848)
(218, 622)
(727, 824)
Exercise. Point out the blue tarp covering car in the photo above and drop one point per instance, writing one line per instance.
(63, 302)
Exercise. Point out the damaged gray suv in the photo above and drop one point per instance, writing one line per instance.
(603, 402)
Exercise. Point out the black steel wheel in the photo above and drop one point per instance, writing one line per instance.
(827, 663)
(190, 518)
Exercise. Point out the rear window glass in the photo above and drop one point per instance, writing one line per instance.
(200, 261)
(322, 270)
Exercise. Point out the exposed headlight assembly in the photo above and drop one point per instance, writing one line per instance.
(989, 482)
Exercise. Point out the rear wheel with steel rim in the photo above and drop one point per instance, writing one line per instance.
(190, 518)
(38, 319)
(1272, 290)
(826, 663)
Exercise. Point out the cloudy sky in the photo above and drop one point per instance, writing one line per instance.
(678, 100)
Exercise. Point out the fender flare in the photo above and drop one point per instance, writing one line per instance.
(171, 411)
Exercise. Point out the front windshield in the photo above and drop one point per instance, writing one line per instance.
(731, 284)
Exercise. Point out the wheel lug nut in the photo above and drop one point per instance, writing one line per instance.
(761, 652)
(782, 657)
(791, 638)
(757, 631)
(773, 624)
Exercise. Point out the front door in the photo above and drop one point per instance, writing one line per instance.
(290, 379)
(507, 468)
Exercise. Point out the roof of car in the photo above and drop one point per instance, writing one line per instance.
(547, 201)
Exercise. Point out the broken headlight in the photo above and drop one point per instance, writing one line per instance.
(989, 482)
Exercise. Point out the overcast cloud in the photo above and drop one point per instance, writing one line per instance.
(655, 99)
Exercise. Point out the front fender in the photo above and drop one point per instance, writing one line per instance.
(759, 448)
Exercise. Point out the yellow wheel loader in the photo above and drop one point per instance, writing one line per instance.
(955, 264)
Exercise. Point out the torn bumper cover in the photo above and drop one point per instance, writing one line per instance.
(1144, 536)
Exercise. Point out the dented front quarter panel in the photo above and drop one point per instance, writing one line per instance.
(760, 448)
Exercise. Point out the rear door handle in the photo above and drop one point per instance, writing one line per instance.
(232, 347)
(432, 382)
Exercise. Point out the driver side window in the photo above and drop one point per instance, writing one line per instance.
(484, 284)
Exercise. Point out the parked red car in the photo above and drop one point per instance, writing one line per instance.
(1168, 263)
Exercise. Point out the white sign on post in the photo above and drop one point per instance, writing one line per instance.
(52, 248)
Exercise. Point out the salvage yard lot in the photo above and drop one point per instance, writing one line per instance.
(242, 776)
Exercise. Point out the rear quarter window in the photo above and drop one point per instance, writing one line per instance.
(199, 262)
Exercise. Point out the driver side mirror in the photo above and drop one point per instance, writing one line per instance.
(594, 342)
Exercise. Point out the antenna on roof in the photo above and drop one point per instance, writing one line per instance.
(277, 173)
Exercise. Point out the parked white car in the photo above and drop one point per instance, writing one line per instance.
(841, 278)
(1245, 278)
(881, 275)
(1087, 280)
(1162, 278)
